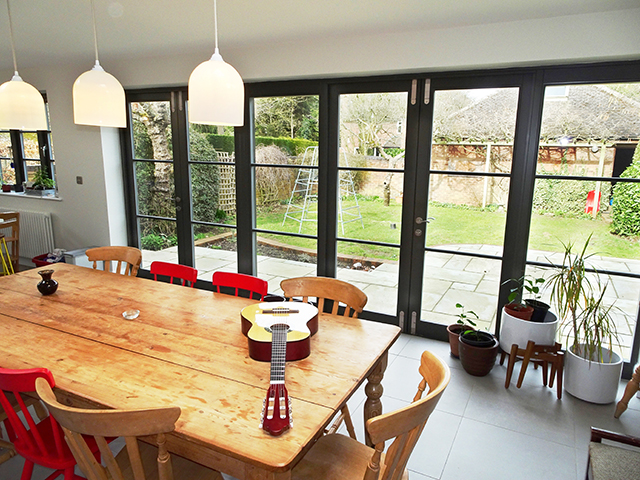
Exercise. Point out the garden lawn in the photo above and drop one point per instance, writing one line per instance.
(452, 226)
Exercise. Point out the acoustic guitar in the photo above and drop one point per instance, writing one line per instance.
(275, 324)
(257, 322)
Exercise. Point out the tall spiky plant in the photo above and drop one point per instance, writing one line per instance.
(580, 304)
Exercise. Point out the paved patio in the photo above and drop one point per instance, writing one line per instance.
(449, 279)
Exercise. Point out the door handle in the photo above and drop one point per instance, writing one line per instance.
(420, 221)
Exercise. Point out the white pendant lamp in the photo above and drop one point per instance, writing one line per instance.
(21, 104)
(216, 91)
(98, 98)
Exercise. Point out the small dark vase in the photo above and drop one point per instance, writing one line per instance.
(47, 285)
(540, 309)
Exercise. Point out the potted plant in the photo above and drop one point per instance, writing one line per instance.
(592, 368)
(478, 351)
(516, 308)
(463, 323)
(42, 184)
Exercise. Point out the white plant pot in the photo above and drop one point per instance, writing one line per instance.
(592, 381)
(518, 331)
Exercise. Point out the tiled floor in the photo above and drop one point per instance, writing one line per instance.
(480, 430)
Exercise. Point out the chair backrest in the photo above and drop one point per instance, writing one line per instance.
(11, 229)
(187, 275)
(40, 441)
(128, 258)
(101, 424)
(406, 424)
(238, 282)
(324, 289)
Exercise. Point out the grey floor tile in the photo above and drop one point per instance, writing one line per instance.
(486, 452)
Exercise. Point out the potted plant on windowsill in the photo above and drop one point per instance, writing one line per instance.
(592, 368)
(42, 185)
(463, 324)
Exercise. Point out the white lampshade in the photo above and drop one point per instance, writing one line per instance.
(216, 94)
(21, 106)
(98, 99)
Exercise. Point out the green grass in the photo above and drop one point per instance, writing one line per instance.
(452, 226)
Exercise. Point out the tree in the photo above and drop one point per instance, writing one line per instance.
(370, 123)
(292, 116)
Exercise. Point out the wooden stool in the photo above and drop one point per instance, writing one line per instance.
(538, 355)
(632, 387)
(5, 256)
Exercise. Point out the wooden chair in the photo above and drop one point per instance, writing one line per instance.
(128, 258)
(41, 440)
(327, 290)
(339, 457)
(632, 387)
(11, 229)
(188, 275)
(137, 459)
(613, 460)
(256, 287)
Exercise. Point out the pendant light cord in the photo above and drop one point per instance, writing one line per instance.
(95, 31)
(215, 22)
(13, 47)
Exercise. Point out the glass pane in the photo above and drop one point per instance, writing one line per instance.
(622, 292)
(591, 131)
(451, 279)
(30, 146)
(282, 256)
(215, 249)
(286, 199)
(213, 193)
(6, 156)
(467, 213)
(32, 168)
(362, 212)
(155, 189)
(372, 269)
(158, 241)
(152, 137)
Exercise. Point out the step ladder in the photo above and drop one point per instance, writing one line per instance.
(306, 186)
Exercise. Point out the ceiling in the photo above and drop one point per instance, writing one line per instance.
(49, 31)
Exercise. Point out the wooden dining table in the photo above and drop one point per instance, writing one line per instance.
(186, 349)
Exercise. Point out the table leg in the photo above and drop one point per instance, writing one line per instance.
(373, 389)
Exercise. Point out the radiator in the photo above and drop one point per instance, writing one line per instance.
(36, 233)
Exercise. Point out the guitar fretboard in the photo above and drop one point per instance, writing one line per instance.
(278, 352)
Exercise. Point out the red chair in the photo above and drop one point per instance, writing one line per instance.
(240, 281)
(43, 441)
(174, 270)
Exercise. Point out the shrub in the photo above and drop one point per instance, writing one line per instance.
(205, 179)
(156, 242)
(273, 185)
(626, 200)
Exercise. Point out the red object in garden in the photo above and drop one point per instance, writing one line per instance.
(591, 203)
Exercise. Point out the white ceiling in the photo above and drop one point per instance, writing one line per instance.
(58, 31)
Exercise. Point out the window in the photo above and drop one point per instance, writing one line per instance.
(23, 154)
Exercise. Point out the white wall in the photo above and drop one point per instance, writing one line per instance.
(88, 215)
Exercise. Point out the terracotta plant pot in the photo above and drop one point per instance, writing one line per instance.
(478, 360)
(454, 330)
(519, 310)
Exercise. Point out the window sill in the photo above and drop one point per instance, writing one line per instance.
(24, 195)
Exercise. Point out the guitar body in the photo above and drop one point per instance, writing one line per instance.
(258, 319)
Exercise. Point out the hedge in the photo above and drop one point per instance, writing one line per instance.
(293, 146)
(625, 213)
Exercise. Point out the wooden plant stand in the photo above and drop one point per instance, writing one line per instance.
(544, 355)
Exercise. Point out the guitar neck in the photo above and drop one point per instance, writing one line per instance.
(278, 353)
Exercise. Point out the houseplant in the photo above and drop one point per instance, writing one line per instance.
(516, 308)
(592, 368)
(42, 184)
(463, 324)
(478, 351)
